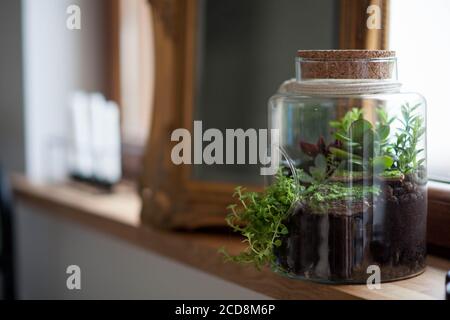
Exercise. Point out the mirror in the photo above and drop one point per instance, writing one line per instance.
(244, 50)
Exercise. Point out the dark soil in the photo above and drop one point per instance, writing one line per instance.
(399, 242)
(339, 245)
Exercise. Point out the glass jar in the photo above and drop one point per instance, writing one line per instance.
(355, 146)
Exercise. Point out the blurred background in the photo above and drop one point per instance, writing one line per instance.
(118, 61)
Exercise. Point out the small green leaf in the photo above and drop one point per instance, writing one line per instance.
(304, 177)
(351, 145)
(383, 132)
(359, 162)
(318, 173)
(358, 129)
(344, 155)
(341, 137)
(321, 162)
(382, 163)
(335, 124)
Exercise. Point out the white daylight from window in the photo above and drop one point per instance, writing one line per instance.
(420, 33)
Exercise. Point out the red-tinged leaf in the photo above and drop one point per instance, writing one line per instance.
(310, 149)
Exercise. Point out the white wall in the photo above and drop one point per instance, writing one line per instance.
(57, 61)
(110, 268)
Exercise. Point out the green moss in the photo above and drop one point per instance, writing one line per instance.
(391, 174)
(320, 196)
(356, 175)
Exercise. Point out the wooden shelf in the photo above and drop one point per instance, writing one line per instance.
(119, 215)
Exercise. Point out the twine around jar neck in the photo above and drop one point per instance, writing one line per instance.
(333, 87)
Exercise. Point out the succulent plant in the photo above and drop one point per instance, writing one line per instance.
(317, 173)
(363, 144)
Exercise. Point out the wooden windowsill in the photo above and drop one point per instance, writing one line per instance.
(438, 214)
(119, 215)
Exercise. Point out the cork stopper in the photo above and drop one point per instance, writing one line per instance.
(346, 64)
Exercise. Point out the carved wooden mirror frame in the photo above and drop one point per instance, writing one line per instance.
(171, 198)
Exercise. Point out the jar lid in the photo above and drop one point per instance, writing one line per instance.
(345, 54)
(347, 64)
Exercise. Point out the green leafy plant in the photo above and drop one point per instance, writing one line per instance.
(259, 218)
(368, 146)
(363, 144)
(344, 124)
(383, 126)
(407, 140)
(317, 173)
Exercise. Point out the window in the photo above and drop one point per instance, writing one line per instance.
(419, 33)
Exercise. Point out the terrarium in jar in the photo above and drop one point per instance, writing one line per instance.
(353, 146)
(349, 195)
